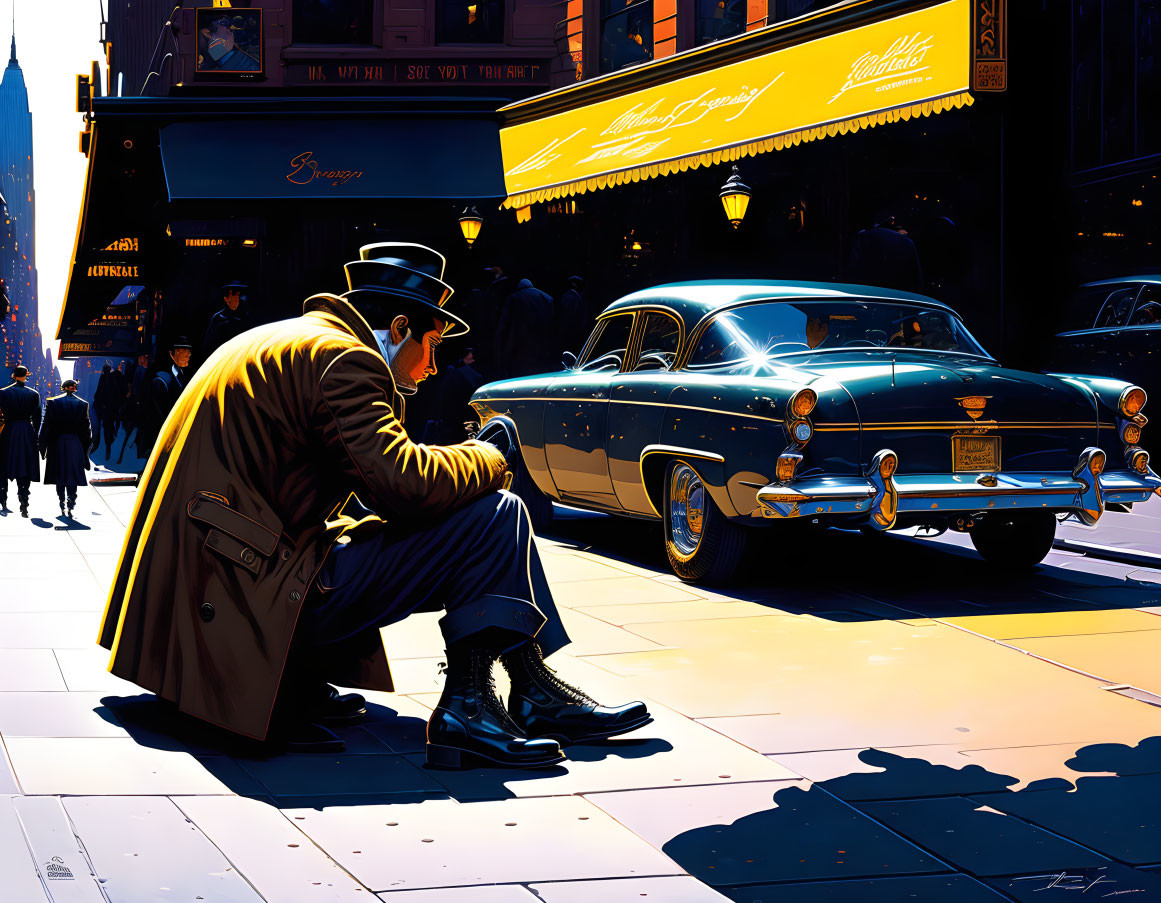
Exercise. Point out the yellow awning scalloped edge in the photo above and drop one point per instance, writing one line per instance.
(738, 151)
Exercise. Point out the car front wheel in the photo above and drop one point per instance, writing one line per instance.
(1015, 540)
(702, 545)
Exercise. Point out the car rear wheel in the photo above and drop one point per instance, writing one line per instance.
(1015, 540)
(702, 545)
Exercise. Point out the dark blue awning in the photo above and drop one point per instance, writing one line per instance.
(393, 157)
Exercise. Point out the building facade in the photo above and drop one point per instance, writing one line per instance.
(20, 332)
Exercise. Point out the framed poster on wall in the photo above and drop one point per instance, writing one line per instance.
(229, 41)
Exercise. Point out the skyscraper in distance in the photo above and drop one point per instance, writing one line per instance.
(20, 334)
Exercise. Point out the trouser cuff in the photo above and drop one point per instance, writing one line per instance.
(505, 612)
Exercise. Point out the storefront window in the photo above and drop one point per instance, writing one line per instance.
(717, 19)
(626, 33)
(333, 21)
(470, 22)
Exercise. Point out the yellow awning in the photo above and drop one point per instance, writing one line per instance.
(912, 65)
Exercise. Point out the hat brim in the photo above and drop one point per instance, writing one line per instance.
(454, 325)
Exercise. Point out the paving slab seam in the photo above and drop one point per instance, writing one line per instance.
(307, 837)
(1109, 553)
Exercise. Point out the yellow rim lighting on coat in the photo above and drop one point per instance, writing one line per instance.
(909, 66)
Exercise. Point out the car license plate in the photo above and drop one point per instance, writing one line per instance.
(975, 454)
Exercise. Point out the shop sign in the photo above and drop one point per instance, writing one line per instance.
(989, 45)
(898, 62)
(417, 72)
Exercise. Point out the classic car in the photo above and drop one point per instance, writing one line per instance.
(716, 407)
(1113, 329)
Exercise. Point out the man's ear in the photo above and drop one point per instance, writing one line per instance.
(398, 329)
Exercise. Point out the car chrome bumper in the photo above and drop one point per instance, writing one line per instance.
(880, 500)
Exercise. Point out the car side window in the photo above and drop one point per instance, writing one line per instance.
(1116, 309)
(607, 352)
(1148, 309)
(659, 341)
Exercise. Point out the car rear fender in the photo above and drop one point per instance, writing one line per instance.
(533, 458)
(710, 466)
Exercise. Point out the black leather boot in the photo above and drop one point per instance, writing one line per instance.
(543, 705)
(470, 725)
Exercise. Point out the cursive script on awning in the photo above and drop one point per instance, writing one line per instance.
(913, 64)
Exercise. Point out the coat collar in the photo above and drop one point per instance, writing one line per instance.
(342, 310)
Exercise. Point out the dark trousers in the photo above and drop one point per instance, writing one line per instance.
(479, 564)
(22, 486)
(109, 426)
(70, 492)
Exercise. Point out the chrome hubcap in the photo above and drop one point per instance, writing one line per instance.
(686, 509)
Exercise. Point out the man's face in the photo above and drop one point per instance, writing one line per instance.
(233, 299)
(469, 359)
(143, 360)
(180, 357)
(817, 329)
(415, 360)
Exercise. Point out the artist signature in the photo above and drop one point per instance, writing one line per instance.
(1083, 882)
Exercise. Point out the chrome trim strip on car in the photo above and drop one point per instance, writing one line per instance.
(960, 425)
(652, 404)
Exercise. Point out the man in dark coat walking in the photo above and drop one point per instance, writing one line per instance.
(165, 388)
(228, 322)
(107, 401)
(20, 415)
(524, 333)
(64, 443)
(244, 579)
(886, 256)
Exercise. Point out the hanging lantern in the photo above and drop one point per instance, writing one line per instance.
(735, 195)
(470, 223)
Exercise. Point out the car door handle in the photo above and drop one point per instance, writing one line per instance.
(598, 395)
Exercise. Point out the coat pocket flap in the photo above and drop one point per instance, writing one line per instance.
(213, 511)
(228, 547)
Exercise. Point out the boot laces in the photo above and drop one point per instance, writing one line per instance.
(489, 698)
(548, 676)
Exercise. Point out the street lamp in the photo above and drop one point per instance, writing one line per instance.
(735, 195)
(470, 223)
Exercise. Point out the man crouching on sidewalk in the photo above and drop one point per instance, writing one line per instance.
(244, 586)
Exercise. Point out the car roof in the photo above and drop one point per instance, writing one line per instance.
(695, 299)
(1122, 280)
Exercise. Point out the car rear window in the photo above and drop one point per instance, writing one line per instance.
(754, 332)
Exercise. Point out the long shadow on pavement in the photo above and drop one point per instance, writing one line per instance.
(853, 838)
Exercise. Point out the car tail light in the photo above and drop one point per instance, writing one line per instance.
(787, 464)
(802, 402)
(1139, 460)
(1132, 400)
(801, 431)
(1131, 434)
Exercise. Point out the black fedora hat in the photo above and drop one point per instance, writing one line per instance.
(404, 270)
(180, 342)
(19, 370)
(236, 286)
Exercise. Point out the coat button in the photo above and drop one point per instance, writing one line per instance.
(286, 554)
(295, 596)
(248, 556)
(206, 612)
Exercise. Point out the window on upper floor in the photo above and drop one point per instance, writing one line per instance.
(717, 19)
(469, 22)
(333, 21)
(626, 33)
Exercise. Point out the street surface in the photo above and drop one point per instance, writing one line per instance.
(857, 719)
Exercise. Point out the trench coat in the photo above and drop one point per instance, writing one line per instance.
(20, 417)
(65, 435)
(242, 498)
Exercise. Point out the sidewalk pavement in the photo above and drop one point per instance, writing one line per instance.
(872, 719)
